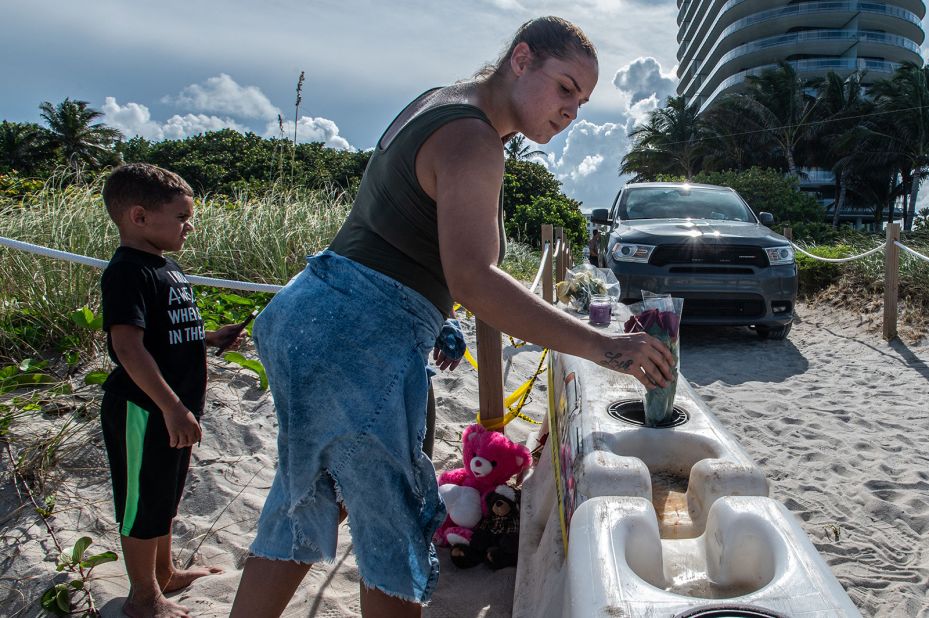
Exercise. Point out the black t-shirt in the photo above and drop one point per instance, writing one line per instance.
(149, 291)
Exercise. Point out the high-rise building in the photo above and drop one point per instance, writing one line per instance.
(720, 41)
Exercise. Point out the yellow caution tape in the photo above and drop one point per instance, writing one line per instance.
(515, 402)
(470, 359)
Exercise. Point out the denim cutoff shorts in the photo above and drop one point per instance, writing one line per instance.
(346, 349)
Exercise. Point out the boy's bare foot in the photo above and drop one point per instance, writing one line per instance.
(159, 607)
(179, 579)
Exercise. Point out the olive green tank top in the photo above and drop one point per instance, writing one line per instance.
(392, 227)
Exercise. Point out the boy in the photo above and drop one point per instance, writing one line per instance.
(154, 397)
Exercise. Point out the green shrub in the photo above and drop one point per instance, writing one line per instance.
(525, 224)
(816, 275)
(15, 187)
(771, 191)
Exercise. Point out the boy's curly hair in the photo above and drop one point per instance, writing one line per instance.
(143, 184)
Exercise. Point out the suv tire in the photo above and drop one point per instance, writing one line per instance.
(773, 332)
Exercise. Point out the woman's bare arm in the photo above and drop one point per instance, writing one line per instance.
(463, 164)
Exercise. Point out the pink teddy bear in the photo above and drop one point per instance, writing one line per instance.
(490, 460)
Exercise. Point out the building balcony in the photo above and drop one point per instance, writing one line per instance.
(701, 19)
(828, 14)
(815, 177)
(697, 23)
(828, 43)
(807, 69)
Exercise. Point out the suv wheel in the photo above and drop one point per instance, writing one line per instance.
(773, 332)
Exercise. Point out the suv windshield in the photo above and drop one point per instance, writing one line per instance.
(683, 203)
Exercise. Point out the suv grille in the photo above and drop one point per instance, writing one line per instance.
(749, 307)
(700, 253)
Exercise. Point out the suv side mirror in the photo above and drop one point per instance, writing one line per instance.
(766, 218)
(600, 216)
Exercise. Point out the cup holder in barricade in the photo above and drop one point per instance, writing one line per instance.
(632, 411)
(730, 611)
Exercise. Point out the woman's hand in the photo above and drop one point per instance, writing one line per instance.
(639, 355)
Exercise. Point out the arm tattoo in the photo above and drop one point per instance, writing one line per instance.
(613, 361)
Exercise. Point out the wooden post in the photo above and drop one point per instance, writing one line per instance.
(559, 259)
(548, 292)
(788, 233)
(490, 373)
(891, 280)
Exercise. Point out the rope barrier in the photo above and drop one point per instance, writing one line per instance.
(245, 286)
(52, 253)
(908, 250)
(837, 260)
(538, 275)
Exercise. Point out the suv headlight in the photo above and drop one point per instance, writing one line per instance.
(780, 255)
(626, 252)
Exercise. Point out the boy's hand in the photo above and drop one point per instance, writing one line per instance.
(227, 337)
(183, 428)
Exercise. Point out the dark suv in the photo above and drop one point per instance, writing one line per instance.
(702, 243)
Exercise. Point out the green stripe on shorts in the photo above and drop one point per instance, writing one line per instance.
(136, 423)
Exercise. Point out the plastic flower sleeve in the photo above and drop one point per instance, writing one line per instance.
(659, 315)
(582, 282)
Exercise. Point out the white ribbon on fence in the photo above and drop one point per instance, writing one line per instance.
(845, 259)
(89, 261)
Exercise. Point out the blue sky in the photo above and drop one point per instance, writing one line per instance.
(171, 69)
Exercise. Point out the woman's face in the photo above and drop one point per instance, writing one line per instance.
(548, 96)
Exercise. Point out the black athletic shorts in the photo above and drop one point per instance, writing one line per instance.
(148, 475)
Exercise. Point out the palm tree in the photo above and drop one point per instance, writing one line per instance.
(728, 145)
(877, 185)
(74, 133)
(903, 104)
(778, 106)
(836, 130)
(921, 220)
(670, 142)
(22, 146)
(517, 149)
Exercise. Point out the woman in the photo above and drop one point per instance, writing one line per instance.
(346, 342)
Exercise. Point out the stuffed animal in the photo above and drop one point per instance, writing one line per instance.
(496, 539)
(490, 459)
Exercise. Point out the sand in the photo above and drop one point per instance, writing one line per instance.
(836, 417)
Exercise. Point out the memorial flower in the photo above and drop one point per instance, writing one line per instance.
(660, 317)
(583, 282)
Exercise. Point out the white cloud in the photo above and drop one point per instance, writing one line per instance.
(589, 162)
(219, 94)
(311, 130)
(642, 79)
(589, 165)
(135, 119)
(223, 95)
(179, 127)
(131, 119)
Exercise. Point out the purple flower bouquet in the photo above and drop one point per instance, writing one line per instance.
(659, 315)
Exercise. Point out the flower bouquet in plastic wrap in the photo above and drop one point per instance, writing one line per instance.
(583, 282)
(659, 315)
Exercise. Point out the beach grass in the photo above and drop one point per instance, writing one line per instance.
(262, 238)
(265, 237)
(858, 285)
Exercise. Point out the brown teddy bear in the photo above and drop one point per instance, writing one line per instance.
(496, 538)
